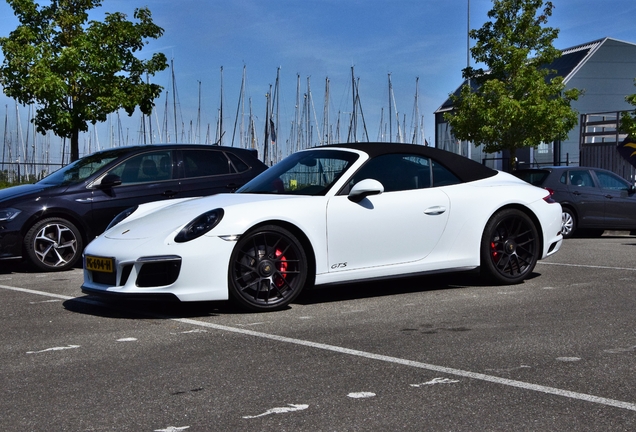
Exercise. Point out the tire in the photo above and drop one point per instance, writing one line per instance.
(568, 223)
(509, 247)
(53, 244)
(268, 269)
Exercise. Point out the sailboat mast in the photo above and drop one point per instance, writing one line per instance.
(296, 136)
(325, 115)
(354, 115)
(416, 113)
(390, 110)
(276, 130)
(220, 142)
(392, 104)
(240, 111)
(309, 103)
(174, 101)
(198, 137)
(266, 140)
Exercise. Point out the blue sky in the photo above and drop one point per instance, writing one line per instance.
(320, 39)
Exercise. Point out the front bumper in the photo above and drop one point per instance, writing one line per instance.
(192, 271)
(10, 244)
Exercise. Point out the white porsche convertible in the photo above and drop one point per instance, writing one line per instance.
(327, 215)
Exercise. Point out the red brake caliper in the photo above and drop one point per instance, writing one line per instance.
(493, 251)
(282, 267)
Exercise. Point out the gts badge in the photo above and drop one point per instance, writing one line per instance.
(339, 266)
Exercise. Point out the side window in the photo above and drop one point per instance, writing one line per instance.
(145, 168)
(564, 178)
(239, 165)
(200, 163)
(611, 181)
(397, 172)
(443, 177)
(581, 178)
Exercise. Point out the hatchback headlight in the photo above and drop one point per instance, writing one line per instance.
(121, 216)
(8, 214)
(199, 226)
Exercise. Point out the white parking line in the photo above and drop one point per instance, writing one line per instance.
(372, 356)
(586, 266)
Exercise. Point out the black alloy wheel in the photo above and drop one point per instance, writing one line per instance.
(53, 244)
(509, 247)
(268, 269)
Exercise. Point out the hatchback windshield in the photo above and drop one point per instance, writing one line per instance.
(81, 169)
(534, 177)
(310, 172)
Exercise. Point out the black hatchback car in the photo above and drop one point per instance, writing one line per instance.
(51, 221)
(593, 199)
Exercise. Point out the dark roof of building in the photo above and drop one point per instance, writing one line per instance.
(571, 59)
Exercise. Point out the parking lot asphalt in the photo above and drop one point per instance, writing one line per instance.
(446, 352)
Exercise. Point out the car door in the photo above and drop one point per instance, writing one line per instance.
(587, 198)
(620, 201)
(145, 177)
(208, 171)
(400, 225)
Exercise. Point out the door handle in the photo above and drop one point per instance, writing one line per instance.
(435, 210)
(576, 193)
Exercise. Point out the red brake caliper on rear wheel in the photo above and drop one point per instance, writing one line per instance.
(493, 251)
(282, 268)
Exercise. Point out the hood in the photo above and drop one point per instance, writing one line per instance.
(164, 217)
(20, 191)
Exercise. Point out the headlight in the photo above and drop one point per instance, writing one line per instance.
(8, 214)
(121, 216)
(199, 226)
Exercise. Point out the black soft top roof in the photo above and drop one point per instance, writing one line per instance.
(465, 169)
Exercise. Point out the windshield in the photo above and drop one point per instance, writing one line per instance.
(534, 177)
(81, 169)
(309, 172)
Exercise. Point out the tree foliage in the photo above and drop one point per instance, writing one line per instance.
(628, 119)
(78, 71)
(517, 101)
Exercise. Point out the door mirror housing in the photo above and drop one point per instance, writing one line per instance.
(108, 181)
(365, 188)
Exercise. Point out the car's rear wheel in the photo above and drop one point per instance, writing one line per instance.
(509, 247)
(568, 223)
(53, 244)
(268, 269)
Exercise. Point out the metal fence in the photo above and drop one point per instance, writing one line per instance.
(26, 172)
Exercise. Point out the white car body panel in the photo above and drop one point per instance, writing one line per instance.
(350, 224)
(440, 229)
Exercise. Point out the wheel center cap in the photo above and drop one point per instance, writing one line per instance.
(266, 268)
(510, 247)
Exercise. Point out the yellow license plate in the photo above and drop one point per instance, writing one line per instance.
(99, 264)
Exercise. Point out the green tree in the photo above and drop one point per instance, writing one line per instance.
(78, 71)
(517, 101)
(628, 119)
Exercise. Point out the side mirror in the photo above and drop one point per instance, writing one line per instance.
(631, 190)
(108, 181)
(365, 188)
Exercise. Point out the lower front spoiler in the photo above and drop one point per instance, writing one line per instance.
(110, 295)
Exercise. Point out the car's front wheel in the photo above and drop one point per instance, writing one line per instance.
(268, 269)
(509, 247)
(568, 223)
(53, 244)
